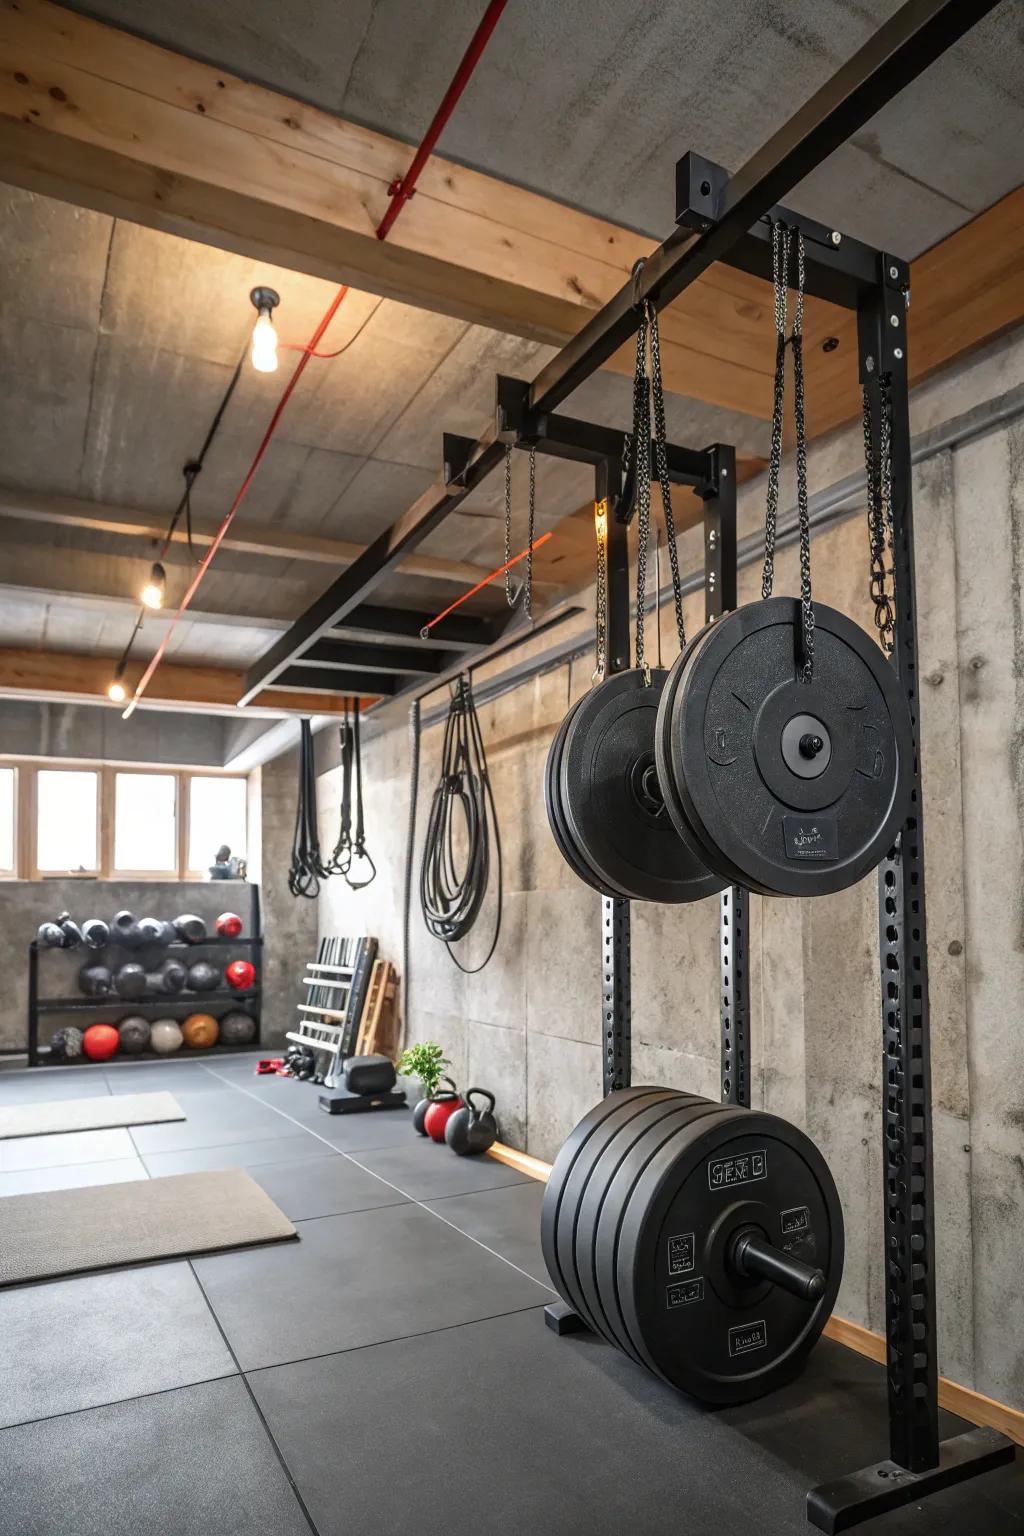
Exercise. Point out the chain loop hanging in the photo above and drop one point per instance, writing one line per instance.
(601, 592)
(781, 236)
(878, 471)
(511, 594)
(524, 591)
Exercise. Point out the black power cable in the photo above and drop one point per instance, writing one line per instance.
(307, 867)
(456, 868)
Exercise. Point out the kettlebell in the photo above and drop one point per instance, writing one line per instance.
(50, 936)
(71, 931)
(172, 975)
(130, 980)
(189, 928)
(125, 930)
(151, 930)
(440, 1112)
(95, 980)
(419, 1114)
(96, 932)
(469, 1130)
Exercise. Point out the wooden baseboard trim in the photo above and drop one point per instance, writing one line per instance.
(973, 1406)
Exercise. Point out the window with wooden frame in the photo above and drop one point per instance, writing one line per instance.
(117, 820)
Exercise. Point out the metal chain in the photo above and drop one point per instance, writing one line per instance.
(601, 591)
(803, 507)
(531, 518)
(511, 595)
(661, 451)
(878, 471)
(780, 277)
(642, 450)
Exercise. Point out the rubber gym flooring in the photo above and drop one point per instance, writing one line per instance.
(390, 1372)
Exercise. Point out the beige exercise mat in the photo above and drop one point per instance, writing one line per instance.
(63, 1231)
(95, 1114)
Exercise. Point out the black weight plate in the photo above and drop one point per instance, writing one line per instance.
(669, 740)
(792, 822)
(658, 1120)
(556, 821)
(611, 798)
(574, 1143)
(574, 1186)
(694, 1322)
(619, 1194)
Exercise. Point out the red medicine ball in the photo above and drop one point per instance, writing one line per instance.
(229, 925)
(100, 1042)
(240, 974)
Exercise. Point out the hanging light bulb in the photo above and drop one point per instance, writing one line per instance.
(152, 594)
(116, 691)
(264, 335)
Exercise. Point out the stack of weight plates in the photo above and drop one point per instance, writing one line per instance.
(604, 798)
(644, 1203)
(787, 787)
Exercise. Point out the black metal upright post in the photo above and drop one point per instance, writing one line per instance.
(616, 1032)
(918, 1463)
(720, 596)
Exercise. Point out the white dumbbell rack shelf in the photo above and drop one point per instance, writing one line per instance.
(337, 982)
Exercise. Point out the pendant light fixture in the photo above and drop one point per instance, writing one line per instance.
(264, 335)
(152, 594)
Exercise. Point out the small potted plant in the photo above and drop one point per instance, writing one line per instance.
(426, 1062)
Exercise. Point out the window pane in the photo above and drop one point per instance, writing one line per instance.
(7, 820)
(145, 823)
(66, 820)
(216, 820)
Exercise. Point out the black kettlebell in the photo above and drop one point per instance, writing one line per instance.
(50, 936)
(171, 975)
(190, 928)
(130, 980)
(151, 930)
(445, 1087)
(203, 977)
(470, 1130)
(125, 930)
(72, 934)
(96, 932)
(95, 981)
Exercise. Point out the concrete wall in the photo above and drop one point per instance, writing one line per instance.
(97, 732)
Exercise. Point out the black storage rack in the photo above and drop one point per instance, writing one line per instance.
(165, 1003)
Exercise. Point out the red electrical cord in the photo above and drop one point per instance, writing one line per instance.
(400, 191)
(424, 632)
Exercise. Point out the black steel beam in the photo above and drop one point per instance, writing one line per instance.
(919, 33)
(353, 685)
(347, 656)
(459, 632)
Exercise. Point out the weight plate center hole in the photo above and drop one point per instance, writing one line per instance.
(646, 787)
(806, 746)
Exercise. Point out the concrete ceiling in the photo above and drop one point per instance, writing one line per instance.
(592, 101)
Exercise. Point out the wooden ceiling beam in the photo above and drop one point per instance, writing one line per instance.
(71, 679)
(106, 120)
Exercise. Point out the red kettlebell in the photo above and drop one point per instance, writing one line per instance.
(229, 925)
(240, 974)
(440, 1112)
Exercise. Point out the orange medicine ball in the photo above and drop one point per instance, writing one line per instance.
(200, 1031)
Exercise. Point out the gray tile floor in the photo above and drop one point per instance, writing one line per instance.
(388, 1373)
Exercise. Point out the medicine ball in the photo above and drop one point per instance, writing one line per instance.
(133, 1033)
(130, 980)
(229, 925)
(237, 1029)
(202, 977)
(173, 974)
(151, 931)
(100, 1041)
(50, 936)
(165, 1037)
(240, 974)
(96, 932)
(125, 930)
(189, 928)
(200, 1031)
(66, 1044)
(95, 981)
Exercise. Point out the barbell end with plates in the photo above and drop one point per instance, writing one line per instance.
(752, 1255)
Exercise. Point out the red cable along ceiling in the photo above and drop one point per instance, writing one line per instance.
(399, 192)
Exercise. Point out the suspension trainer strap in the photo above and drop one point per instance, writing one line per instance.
(307, 867)
(359, 853)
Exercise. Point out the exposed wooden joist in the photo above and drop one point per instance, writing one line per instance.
(245, 538)
(69, 679)
(111, 122)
